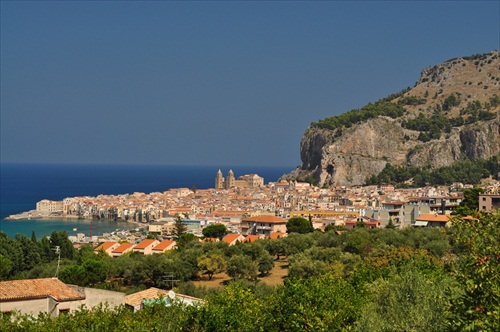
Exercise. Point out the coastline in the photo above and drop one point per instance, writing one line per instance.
(36, 215)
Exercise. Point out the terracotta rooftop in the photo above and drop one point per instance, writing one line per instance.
(36, 289)
(276, 235)
(229, 238)
(164, 244)
(136, 299)
(433, 217)
(268, 219)
(144, 244)
(123, 247)
(105, 246)
(251, 238)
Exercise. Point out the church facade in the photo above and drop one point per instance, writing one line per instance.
(244, 181)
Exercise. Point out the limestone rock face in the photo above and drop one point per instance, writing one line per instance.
(350, 155)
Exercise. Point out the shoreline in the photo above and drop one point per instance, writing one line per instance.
(34, 215)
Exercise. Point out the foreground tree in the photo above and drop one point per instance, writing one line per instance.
(299, 225)
(242, 267)
(478, 271)
(179, 228)
(215, 231)
(211, 264)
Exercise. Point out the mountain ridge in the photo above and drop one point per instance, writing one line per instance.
(451, 114)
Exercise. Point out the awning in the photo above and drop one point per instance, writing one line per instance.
(421, 223)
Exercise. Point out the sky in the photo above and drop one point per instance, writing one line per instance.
(211, 83)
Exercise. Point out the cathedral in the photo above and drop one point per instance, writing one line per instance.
(244, 181)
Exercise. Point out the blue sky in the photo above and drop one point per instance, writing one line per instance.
(211, 83)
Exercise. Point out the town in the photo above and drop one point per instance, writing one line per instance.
(247, 206)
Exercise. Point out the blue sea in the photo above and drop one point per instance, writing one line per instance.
(23, 185)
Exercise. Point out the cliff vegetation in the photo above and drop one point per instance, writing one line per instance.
(452, 114)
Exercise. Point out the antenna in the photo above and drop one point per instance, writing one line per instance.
(169, 276)
(58, 252)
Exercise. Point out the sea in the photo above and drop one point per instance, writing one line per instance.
(23, 185)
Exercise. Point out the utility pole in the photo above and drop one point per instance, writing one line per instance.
(169, 276)
(58, 252)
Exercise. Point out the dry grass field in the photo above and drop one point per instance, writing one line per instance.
(275, 277)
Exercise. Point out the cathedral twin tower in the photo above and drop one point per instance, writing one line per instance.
(220, 183)
(245, 181)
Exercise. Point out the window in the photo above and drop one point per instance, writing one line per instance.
(64, 311)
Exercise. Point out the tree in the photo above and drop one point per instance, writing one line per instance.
(242, 267)
(211, 264)
(215, 231)
(299, 225)
(265, 263)
(186, 238)
(5, 267)
(470, 203)
(179, 227)
(478, 272)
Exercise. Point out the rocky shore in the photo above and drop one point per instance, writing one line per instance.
(34, 214)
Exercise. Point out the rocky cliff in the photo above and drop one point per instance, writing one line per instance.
(458, 103)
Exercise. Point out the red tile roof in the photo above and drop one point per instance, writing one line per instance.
(276, 235)
(251, 238)
(164, 244)
(105, 246)
(433, 218)
(37, 288)
(267, 219)
(123, 247)
(230, 238)
(144, 244)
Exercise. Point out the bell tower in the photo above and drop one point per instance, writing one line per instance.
(230, 179)
(219, 180)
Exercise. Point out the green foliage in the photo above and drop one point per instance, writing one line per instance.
(466, 171)
(470, 204)
(370, 111)
(409, 301)
(242, 267)
(179, 228)
(299, 225)
(478, 272)
(212, 263)
(215, 231)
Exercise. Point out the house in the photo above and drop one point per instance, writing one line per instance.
(431, 220)
(137, 301)
(164, 246)
(122, 249)
(369, 222)
(276, 235)
(489, 202)
(231, 239)
(146, 246)
(263, 225)
(107, 247)
(35, 296)
(251, 238)
(210, 239)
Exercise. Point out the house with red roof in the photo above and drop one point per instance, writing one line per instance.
(263, 225)
(164, 246)
(231, 239)
(251, 238)
(34, 296)
(52, 296)
(122, 249)
(431, 220)
(107, 247)
(146, 246)
(276, 235)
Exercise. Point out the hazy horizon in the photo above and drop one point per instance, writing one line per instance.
(210, 83)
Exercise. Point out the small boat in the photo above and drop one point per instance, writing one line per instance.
(74, 229)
